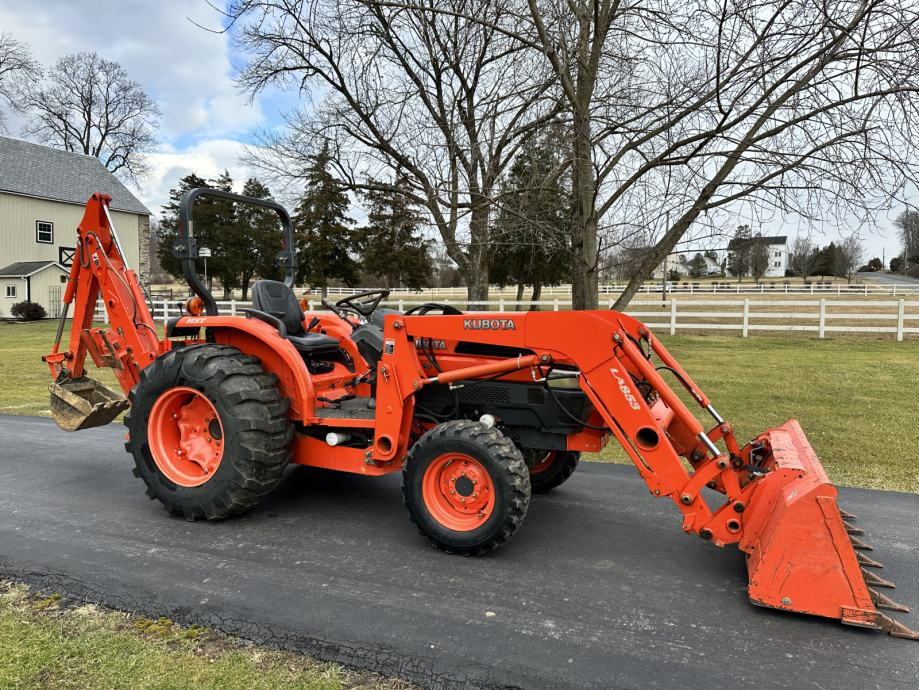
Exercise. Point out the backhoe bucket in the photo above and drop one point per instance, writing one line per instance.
(84, 403)
(800, 555)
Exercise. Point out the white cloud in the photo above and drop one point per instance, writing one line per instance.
(183, 67)
(206, 159)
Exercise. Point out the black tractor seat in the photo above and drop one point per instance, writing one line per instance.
(276, 300)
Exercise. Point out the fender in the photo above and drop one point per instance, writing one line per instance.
(277, 355)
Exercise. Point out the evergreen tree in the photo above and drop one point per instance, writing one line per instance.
(226, 238)
(262, 237)
(827, 261)
(532, 225)
(168, 230)
(697, 266)
(392, 245)
(324, 238)
(738, 262)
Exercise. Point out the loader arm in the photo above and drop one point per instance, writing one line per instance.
(771, 496)
(126, 344)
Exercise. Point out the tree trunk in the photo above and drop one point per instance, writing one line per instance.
(537, 293)
(584, 291)
(519, 306)
(475, 269)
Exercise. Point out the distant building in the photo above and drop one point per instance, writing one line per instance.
(632, 257)
(778, 253)
(42, 195)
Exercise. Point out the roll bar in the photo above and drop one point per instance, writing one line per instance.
(186, 248)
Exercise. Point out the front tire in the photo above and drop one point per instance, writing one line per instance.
(466, 487)
(208, 430)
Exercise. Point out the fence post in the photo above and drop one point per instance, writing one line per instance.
(401, 305)
(894, 290)
(232, 307)
(866, 289)
(901, 313)
(672, 316)
(501, 304)
(746, 317)
(555, 307)
(165, 312)
(821, 329)
(812, 288)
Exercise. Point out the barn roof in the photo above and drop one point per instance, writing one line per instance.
(24, 269)
(39, 171)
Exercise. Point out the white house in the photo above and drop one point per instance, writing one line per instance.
(42, 195)
(777, 246)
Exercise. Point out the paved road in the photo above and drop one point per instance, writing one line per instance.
(889, 279)
(599, 589)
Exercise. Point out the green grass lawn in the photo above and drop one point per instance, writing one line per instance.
(857, 399)
(45, 645)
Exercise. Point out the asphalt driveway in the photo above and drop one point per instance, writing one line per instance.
(598, 589)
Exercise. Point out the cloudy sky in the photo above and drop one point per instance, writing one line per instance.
(206, 122)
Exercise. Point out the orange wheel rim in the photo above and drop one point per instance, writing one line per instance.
(458, 492)
(185, 436)
(544, 464)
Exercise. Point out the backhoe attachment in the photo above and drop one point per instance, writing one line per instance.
(85, 403)
(126, 344)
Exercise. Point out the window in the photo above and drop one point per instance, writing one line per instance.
(777, 264)
(778, 254)
(44, 232)
(63, 278)
(11, 291)
(65, 256)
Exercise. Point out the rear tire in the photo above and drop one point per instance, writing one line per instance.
(252, 433)
(552, 468)
(466, 487)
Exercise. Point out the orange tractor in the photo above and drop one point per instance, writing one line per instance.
(476, 410)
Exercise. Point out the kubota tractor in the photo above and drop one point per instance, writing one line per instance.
(477, 411)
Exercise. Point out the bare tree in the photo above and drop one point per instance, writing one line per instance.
(803, 256)
(414, 92)
(851, 254)
(759, 257)
(788, 106)
(908, 225)
(87, 104)
(17, 68)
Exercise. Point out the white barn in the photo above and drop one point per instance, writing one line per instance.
(42, 195)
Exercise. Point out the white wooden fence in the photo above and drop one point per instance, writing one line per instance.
(822, 316)
(724, 287)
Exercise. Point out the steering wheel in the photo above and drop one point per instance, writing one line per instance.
(427, 307)
(357, 303)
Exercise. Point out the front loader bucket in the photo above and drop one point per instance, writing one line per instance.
(84, 403)
(800, 555)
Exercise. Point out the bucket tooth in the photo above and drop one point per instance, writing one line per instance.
(882, 601)
(859, 544)
(847, 516)
(852, 529)
(870, 562)
(895, 628)
(872, 579)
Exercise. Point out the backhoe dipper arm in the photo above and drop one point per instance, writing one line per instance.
(99, 269)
